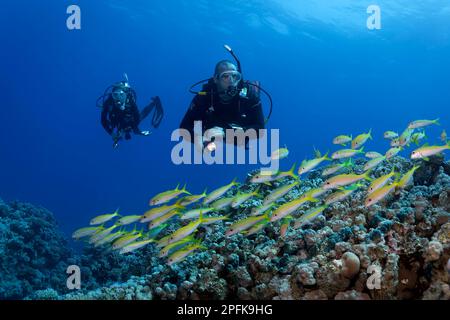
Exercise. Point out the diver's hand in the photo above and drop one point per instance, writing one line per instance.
(145, 133)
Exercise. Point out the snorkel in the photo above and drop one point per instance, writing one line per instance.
(233, 90)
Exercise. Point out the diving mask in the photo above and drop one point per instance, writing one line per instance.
(120, 97)
(232, 76)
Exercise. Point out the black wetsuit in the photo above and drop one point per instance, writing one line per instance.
(124, 120)
(245, 112)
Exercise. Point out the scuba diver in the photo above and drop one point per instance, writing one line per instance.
(226, 102)
(120, 115)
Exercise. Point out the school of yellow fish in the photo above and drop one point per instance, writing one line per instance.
(337, 187)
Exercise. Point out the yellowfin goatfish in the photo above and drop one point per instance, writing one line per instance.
(342, 140)
(427, 151)
(407, 178)
(344, 180)
(126, 239)
(380, 182)
(159, 221)
(264, 177)
(289, 207)
(379, 194)
(261, 209)
(240, 198)
(194, 213)
(187, 200)
(346, 153)
(314, 193)
(373, 163)
(309, 216)
(341, 194)
(219, 192)
(86, 232)
(373, 154)
(405, 137)
(222, 203)
(211, 220)
(128, 220)
(255, 228)
(308, 165)
(245, 224)
(153, 233)
(422, 123)
(361, 139)
(110, 238)
(135, 245)
(335, 168)
(101, 234)
(279, 154)
(279, 192)
(166, 196)
(183, 253)
(159, 212)
(184, 231)
(390, 135)
(104, 218)
(185, 241)
(392, 152)
(416, 137)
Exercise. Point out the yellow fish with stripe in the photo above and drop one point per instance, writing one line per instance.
(379, 194)
(245, 224)
(380, 182)
(428, 151)
(344, 180)
(346, 153)
(422, 123)
(407, 178)
(289, 208)
(104, 218)
(166, 196)
(308, 165)
(279, 192)
(157, 212)
(219, 192)
(309, 216)
(183, 253)
(342, 139)
(361, 139)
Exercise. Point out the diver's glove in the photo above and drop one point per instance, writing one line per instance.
(145, 133)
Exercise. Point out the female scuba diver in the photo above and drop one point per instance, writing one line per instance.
(120, 115)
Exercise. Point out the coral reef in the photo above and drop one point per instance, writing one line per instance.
(396, 249)
(33, 253)
(404, 243)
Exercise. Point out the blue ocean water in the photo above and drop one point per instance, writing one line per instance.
(327, 74)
